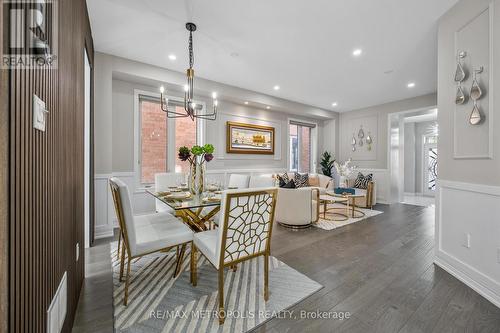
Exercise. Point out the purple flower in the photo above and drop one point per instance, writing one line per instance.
(184, 154)
(209, 157)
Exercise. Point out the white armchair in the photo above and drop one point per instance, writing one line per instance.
(297, 208)
(145, 234)
(162, 182)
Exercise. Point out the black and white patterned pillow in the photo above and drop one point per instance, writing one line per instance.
(290, 184)
(284, 177)
(301, 180)
(362, 181)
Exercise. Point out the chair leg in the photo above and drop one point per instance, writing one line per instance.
(122, 262)
(194, 265)
(127, 280)
(180, 257)
(119, 243)
(222, 314)
(266, 277)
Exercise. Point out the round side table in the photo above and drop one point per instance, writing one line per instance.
(334, 213)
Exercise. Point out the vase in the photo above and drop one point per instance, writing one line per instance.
(197, 178)
(343, 181)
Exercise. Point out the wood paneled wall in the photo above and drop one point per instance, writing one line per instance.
(46, 173)
(4, 186)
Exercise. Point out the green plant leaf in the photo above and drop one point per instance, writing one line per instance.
(197, 150)
(208, 148)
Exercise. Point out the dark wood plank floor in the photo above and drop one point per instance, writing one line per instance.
(379, 270)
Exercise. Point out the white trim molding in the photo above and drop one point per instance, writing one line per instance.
(467, 235)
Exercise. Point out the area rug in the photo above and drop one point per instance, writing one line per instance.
(326, 224)
(160, 303)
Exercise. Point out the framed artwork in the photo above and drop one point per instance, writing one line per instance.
(249, 139)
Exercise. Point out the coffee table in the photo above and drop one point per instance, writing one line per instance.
(326, 200)
(351, 201)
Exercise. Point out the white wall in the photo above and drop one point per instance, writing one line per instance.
(469, 156)
(115, 84)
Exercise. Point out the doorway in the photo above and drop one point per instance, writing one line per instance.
(413, 137)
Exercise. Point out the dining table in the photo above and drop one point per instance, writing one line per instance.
(196, 210)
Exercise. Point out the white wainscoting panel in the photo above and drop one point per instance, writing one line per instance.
(464, 209)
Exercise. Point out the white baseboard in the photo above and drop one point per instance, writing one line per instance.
(466, 220)
(103, 232)
(469, 277)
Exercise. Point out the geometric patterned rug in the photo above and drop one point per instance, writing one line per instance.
(159, 303)
(331, 225)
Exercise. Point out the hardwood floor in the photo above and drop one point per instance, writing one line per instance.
(379, 270)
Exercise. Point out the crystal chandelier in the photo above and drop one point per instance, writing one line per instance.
(191, 109)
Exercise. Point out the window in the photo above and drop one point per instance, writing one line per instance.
(431, 168)
(301, 146)
(185, 135)
(160, 138)
(153, 140)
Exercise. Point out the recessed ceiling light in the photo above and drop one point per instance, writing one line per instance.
(411, 84)
(357, 52)
(172, 57)
(246, 103)
(276, 87)
(268, 107)
(334, 104)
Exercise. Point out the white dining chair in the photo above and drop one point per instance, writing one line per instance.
(261, 181)
(238, 181)
(244, 233)
(162, 183)
(145, 234)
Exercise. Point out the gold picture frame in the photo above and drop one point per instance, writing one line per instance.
(244, 138)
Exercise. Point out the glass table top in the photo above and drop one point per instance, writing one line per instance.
(186, 200)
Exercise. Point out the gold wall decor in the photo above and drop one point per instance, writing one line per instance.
(249, 139)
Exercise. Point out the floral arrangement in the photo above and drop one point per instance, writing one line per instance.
(205, 154)
(345, 169)
(197, 156)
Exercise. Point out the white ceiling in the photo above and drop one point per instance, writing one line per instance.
(303, 46)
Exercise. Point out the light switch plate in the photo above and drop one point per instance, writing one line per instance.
(466, 241)
(39, 113)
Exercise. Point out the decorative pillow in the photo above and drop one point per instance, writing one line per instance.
(284, 177)
(290, 184)
(362, 181)
(301, 180)
(314, 181)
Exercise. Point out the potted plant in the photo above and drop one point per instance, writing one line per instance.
(326, 163)
(197, 157)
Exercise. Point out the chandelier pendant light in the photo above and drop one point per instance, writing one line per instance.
(191, 109)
